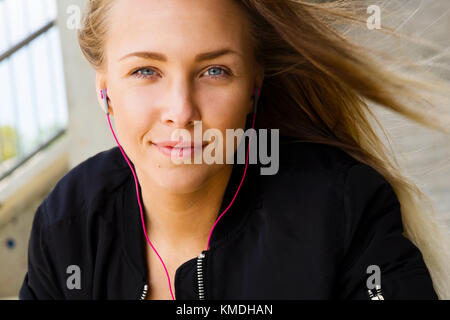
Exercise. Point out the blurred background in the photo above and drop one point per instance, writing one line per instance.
(50, 120)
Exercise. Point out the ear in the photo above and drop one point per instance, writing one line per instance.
(100, 83)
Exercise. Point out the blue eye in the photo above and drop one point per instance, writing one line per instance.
(216, 72)
(144, 73)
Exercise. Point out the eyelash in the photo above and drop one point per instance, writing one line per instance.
(140, 76)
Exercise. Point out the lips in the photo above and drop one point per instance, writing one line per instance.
(177, 148)
(177, 144)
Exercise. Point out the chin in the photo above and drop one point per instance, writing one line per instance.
(184, 178)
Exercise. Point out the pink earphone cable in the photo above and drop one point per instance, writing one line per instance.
(137, 187)
(140, 207)
(240, 184)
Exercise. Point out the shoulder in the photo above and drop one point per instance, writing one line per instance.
(89, 183)
(322, 175)
(308, 162)
(296, 155)
(318, 160)
(318, 183)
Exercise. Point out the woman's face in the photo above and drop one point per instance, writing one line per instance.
(170, 63)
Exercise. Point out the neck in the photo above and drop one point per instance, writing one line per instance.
(174, 219)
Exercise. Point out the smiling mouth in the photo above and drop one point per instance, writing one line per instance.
(177, 149)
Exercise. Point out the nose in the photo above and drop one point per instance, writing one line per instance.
(180, 111)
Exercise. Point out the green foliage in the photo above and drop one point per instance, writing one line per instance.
(8, 143)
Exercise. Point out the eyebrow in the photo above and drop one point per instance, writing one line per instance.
(200, 57)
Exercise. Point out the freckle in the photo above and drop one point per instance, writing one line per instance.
(159, 166)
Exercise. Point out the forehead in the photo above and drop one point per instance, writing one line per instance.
(176, 27)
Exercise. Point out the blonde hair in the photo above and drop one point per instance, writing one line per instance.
(92, 35)
(317, 87)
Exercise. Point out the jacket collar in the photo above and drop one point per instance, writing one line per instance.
(230, 223)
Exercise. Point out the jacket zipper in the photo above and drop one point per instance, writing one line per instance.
(376, 295)
(200, 279)
(144, 292)
(200, 276)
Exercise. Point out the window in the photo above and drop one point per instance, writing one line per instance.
(33, 106)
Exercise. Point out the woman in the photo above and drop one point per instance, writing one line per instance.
(326, 225)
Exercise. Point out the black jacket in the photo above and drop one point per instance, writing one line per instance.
(308, 232)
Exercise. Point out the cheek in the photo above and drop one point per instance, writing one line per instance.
(230, 114)
(134, 119)
(137, 103)
(226, 114)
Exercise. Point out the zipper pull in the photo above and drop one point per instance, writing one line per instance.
(144, 292)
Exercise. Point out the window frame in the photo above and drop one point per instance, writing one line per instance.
(22, 158)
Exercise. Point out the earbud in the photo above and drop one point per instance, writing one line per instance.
(104, 95)
(256, 95)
